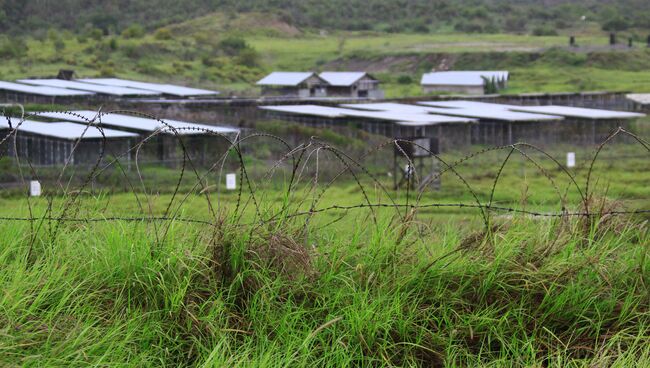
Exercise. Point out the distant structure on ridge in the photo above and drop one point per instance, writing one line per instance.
(465, 82)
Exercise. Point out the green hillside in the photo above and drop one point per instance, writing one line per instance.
(231, 51)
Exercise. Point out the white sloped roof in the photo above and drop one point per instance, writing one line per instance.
(484, 110)
(284, 78)
(168, 89)
(462, 78)
(394, 116)
(341, 79)
(579, 112)
(409, 117)
(389, 106)
(640, 98)
(41, 90)
(136, 123)
(63, 130)
(314, 110)
(107, 90)
(479, 111)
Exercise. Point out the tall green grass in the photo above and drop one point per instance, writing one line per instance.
(530, 292)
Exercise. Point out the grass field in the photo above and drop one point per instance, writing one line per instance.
(429, 287)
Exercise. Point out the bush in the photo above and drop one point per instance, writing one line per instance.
(232, 45)
(163, 34)
(106, 71)
(249, 58)
(133, 31)
(59, 45)
(544, 31)
(616, 23)
(12, 48)
(404, 79)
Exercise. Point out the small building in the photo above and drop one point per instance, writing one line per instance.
(293, 84)
(59, 143)
(162, 141)
(352, 84)
(464, 82)
(449, 132)
(167, 90)
(108, 91)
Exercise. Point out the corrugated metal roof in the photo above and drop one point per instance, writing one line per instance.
(334, 112)
(471, 111)
(342, 79)
(411, 117)
(464, 104)
(138, 123)
(107, 90)
(284, 78)
(389, 106)
(578, 112)
(64, 130)
(41, 90)
(314, 110)
(168, 89)
(640, 98)
(487, 111)
(462, 78)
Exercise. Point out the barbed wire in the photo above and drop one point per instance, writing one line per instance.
(298, 159)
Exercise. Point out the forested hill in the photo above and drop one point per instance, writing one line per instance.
(422, 16)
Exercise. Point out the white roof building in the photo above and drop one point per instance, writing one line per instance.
(462, 78)
(285, 78)
(342, 79)
(136, 123)
(42, 90)
(167, 89)
(106, 90)
(63, 130)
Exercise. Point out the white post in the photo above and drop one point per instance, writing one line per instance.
(34, 188)
(571, 159)
(231, 181)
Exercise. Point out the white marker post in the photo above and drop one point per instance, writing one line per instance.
(571, 159)
(34, 188)
(231, 181)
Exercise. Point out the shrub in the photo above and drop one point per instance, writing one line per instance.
(163, 34)
(233, 45)
(133, 31)
(249, 58)
(616, 23)
(404, 79)
(12, 48)
(544, 31)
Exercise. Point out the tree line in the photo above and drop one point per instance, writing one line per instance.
(539, 17)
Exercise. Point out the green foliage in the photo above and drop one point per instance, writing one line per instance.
(616, 23)
(545, 31)
(419, 16)
(14, 47)
(404, 79)
(232, 45)
(135, 30)
(163, 34)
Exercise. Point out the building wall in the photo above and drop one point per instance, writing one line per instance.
(466, 90)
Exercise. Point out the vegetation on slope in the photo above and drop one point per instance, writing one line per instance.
(421, 16)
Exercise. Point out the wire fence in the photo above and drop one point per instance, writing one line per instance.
(298, 175)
